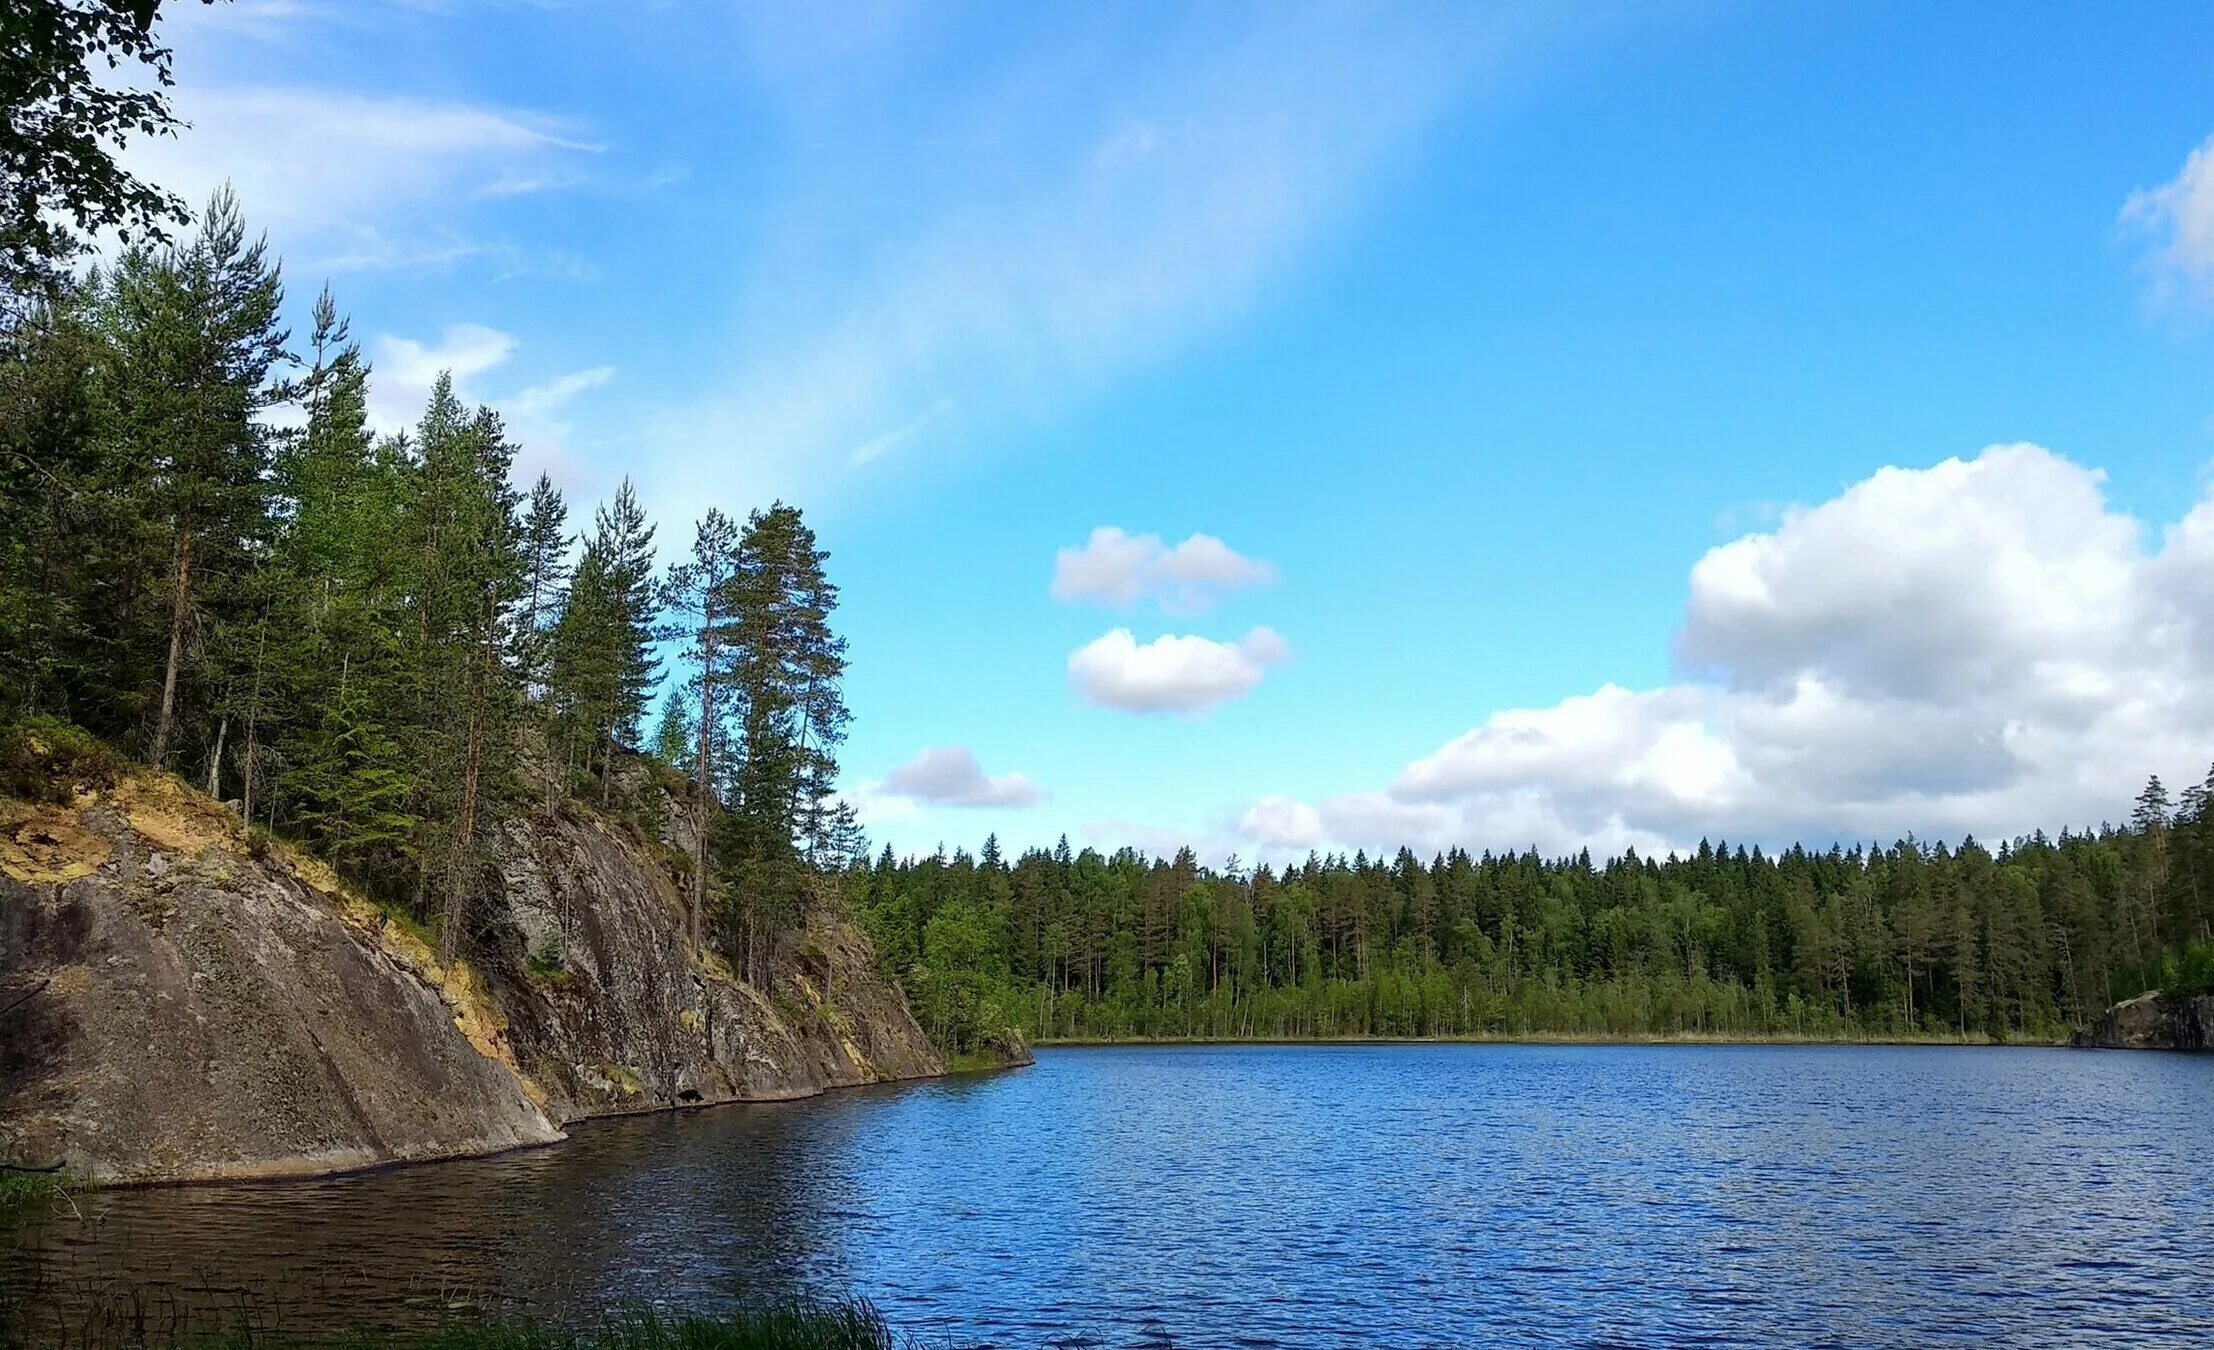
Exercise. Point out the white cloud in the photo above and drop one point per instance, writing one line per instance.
(1984, 646)
(1171, 673)
(950, 776)
(402, 371)
(2179, 217)
(1117, 569)
(349, 182)
(1281, 822)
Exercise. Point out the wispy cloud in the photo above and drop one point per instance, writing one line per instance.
(1060, 225)
(361, 182)
(873, 449)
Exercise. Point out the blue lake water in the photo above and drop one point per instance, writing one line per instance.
(1281, 1195)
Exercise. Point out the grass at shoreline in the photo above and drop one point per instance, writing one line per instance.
(22, 1191)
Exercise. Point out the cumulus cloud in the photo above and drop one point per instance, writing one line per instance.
(2178, 217)
(1985, 646)
(1172, 673)
(1281, 822)
(1117, 569)
(950, 776)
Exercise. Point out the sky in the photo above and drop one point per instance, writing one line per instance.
(1272, 427)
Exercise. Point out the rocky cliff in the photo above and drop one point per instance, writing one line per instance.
(206, 1003)
(2154, 1022)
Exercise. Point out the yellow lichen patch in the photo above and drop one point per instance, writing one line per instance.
(622, 1079)
(48, 844)
(476, 1016)
(807, 990)
(171, 816)
(313, 873)
(690, 1020)
(69, 981)
(481, 1023)
(715, 968)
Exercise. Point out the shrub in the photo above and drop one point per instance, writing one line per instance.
(44, 759)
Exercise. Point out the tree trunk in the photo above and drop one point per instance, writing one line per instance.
(179, 607)
(215, 761)
(465, 832)
(465, 828)
(253, 720)
(701, 779)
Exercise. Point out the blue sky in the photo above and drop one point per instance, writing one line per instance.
(1531, 373)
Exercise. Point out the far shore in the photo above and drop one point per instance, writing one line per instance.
(1551, 1038)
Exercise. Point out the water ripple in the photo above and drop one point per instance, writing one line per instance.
(1266, 1196)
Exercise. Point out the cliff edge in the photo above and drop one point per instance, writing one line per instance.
(186, 999)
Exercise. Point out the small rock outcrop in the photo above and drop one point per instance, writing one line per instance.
(186, 1000)
(2154, 1022)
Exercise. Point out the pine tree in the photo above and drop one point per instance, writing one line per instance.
(785, 678)
(698, 597)
(546, 544)
(604, 668)
(196, 336)
(460, 528)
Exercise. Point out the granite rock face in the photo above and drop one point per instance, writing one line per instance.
(204, 1004)
(200, 1012)
(2154, 1022)
(611, 1011)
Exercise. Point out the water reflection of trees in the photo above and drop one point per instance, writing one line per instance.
(698, 1209)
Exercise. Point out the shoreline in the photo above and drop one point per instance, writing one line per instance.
(282, 1174)
(1549, 1038)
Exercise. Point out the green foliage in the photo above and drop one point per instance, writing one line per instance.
(35, 1192)
(548, 962)
(44, 759)
(67, 117)
(2188, 972)
(1910, 941)
(380, 647)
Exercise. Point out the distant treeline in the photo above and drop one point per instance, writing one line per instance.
(1911, 940)
(374, 643)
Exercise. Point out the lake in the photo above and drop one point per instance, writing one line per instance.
(1277, 1195)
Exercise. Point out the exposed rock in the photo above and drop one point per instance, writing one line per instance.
(612, 1011)
(2154, 1022)
(209, 1015)
(216, 1005)
(1009, 1051)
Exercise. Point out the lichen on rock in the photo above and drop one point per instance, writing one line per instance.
(219, 1004)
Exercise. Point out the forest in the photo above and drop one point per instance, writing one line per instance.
(1915, 940)
(381, 645)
